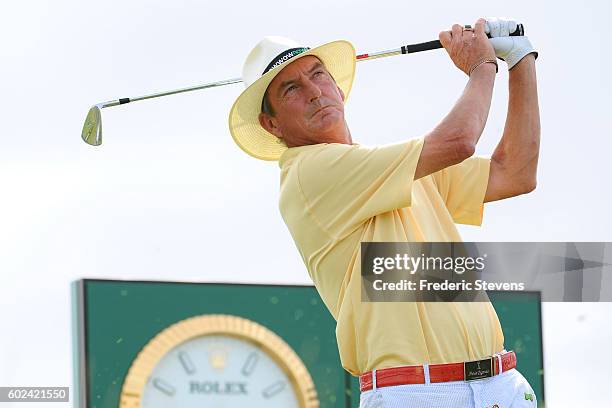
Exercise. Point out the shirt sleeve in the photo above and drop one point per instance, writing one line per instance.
(344, 185)
(463, 187)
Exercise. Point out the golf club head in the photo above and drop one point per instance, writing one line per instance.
(92, 128)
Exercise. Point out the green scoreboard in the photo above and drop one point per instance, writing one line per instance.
(186, 344)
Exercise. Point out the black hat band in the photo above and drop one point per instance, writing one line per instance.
(284, 56)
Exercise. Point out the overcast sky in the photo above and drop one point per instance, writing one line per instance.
(169, 196)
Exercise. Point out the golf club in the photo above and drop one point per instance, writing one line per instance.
(92, 128)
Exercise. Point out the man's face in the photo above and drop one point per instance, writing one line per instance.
(308, 105)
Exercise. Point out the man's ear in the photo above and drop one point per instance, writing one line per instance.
(341, 93)
(270, 124)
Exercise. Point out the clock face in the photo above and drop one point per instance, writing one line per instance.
(218, 371)
(217, 361)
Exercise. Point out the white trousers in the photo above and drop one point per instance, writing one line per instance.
(507, 390)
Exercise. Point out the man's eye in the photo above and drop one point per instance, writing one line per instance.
(290, 88)
(319, 72)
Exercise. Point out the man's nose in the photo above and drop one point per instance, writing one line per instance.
(313, 90)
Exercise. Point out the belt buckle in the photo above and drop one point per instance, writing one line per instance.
(477, 370)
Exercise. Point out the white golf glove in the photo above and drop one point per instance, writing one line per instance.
(509, 49)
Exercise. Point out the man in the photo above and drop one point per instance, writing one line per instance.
(336, 194)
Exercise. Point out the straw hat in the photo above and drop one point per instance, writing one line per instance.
(263, 63)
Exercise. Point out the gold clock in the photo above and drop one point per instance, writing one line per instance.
(219, 361)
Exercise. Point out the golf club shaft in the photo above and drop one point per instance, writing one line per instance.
(426, 46)
(122, 101)
(406, 49)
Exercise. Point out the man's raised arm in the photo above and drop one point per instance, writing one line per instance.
(515, 159)
(455, 138)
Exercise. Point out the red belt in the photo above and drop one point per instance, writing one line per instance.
(467, 371)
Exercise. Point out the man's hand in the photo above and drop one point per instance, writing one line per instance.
(509, 49)
(467, 48)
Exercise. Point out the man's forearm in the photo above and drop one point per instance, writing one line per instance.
(454, 139)
(469, 115)
(518, 150)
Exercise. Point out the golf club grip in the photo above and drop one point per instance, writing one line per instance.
(432, 45)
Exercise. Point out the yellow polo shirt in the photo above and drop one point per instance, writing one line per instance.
(334, 196)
